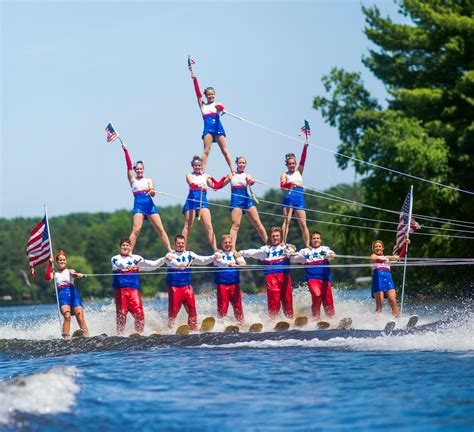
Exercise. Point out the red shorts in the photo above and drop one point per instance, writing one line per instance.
(129, 300)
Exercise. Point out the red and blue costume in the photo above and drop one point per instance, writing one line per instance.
(126, 286)
(227, 280)
(180, 290)
(278, 279)
(210, 114)
(67, 292)
(318, 277)
(382, 276)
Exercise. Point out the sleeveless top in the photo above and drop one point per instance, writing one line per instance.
(239, 180)
(295, 178)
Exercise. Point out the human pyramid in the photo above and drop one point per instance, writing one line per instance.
(276, 254)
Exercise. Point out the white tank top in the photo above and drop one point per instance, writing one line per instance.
(295, 178)
(239, 180)
(63, 278)
(200, 180)
(209, 109)
(139, 185)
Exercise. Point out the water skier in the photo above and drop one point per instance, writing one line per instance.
(227, 279)
(382, 282)
(213, 129)
(292, 183)
(241, 203)
(317, 274)
(68, 296)
(143, 207)
(178, 279)
(126, 285)
(276, 257)
(196, 202)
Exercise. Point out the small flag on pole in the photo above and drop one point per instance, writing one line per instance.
(112, 134)
(306, 130)
(190, 63)
(38, 247)
(402, 228)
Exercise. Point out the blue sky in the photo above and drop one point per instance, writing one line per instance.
(70, 67)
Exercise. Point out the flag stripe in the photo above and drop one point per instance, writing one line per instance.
(38, 246)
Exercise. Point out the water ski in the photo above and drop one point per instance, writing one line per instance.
(207, 324)
(321, 325)
(389, 327)
(412, 321)
(78, 334)
(345, 324)
(183, 329)
(301, 321)
(232, 329)
(134, 335)
(281, 326)
(256, 328)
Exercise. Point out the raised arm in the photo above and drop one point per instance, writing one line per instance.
(303, 158)
(197, 89)
(130, 175)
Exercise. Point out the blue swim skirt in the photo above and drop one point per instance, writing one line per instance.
(213, 126)
(294, 199)
(240, 199)
(144, 204)
(69, 296)
(382, 281)
(193, 201)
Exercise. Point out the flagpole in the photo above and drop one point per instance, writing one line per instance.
(406, 250)
(52, 268)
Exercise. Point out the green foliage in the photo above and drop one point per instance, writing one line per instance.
(427, 127)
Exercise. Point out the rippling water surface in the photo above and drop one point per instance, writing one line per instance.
(414, 382)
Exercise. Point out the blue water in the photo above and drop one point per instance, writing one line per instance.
(413, 382)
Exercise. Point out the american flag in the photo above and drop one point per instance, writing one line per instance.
(38, 248)
(190, 63)
(112, 134)
(305, 129)
(402, 233)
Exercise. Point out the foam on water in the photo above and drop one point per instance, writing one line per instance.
(50, 392)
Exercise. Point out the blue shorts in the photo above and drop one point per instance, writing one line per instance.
(69, 296)
(193, 201)
(213, 126)
(294, 198)
(382, 281)
(240, 199)
(144, 204)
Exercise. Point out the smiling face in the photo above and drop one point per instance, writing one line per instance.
(291, 165)
(139, 169)
(275, 238)
(179, 244)
(316, 240)
(62, 261)
(125, 248)
(210, 95)
(377, 247)
(241, 164)
(197, 167)
(226, 244)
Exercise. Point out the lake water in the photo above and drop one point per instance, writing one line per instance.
(414, 382)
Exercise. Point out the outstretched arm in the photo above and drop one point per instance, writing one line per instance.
(303, 157)
(129, 164)
(218, 184)
(197, 89)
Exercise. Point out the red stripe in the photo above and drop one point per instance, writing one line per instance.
(139, 192)
(38, 227)
(34, 239)
(239, 187)
(199, 189)
(317, 262)
(210, 115)
(275, 261)
(125, 271)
